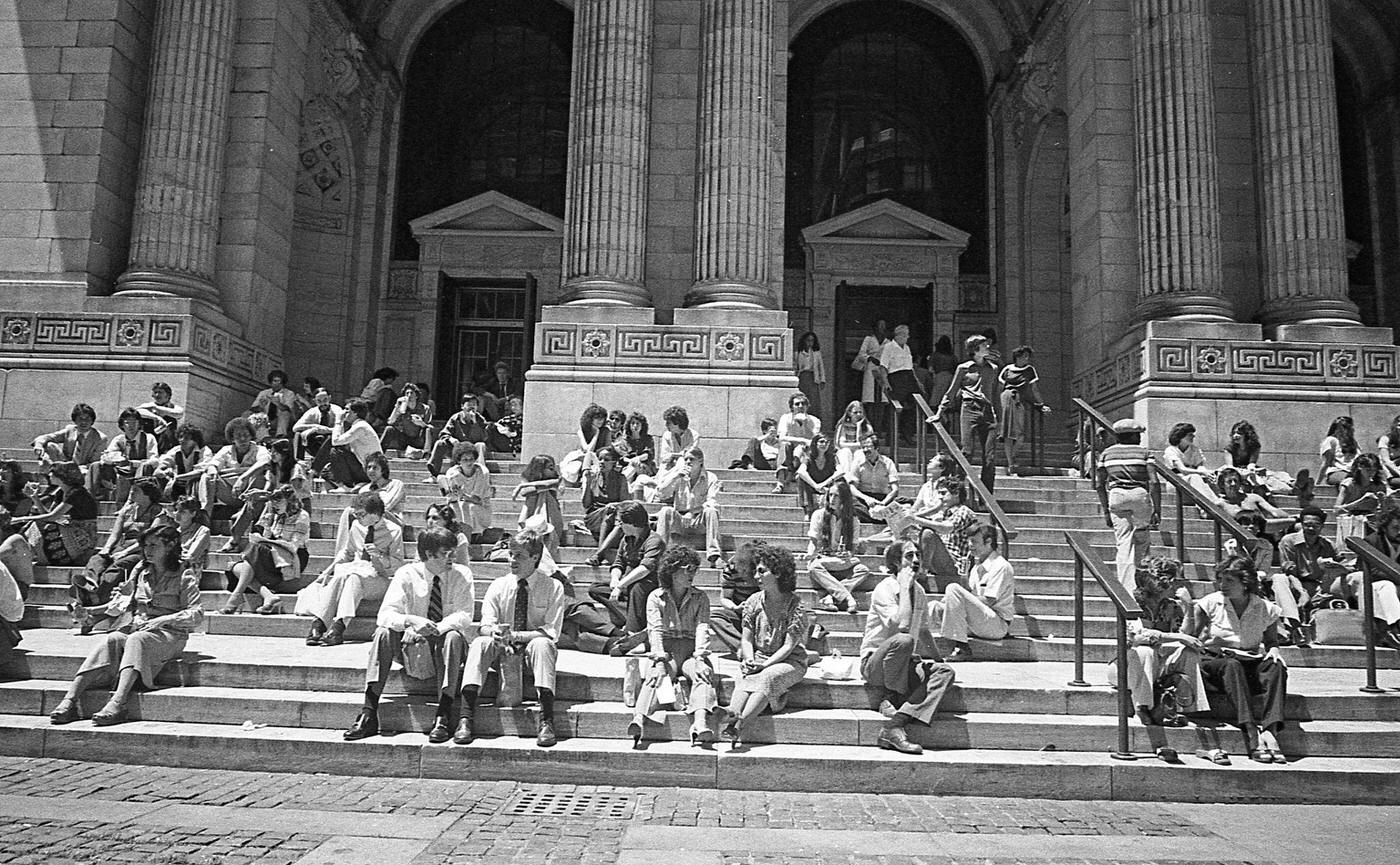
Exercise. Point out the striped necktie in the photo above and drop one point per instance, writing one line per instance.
(435, 601)
(521, 620)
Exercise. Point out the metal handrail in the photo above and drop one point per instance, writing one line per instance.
(1084, 444)
(1125, 607)
(1223, 522)
(989, 501)
(1371, 560)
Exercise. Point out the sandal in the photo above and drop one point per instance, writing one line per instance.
(272, 608)
(1261, 755)
(1278, 757)
(66, 712)
(110, 714)
(231, 608)
(1214, 755)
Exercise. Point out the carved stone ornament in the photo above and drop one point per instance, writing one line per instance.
(595, 343)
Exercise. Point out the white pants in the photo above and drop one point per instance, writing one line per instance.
(338, 595)
(1130, 509)
(1385, 600)
(965, 614)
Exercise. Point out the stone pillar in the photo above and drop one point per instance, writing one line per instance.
(1177, 186)
(1299, 157)
(175, 224)
(605, 211)
(734, 157)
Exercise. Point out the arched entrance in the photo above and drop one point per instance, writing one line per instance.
(886, 102)
(480, 187)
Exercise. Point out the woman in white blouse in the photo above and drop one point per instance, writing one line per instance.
(1239, 632)
(867, 360)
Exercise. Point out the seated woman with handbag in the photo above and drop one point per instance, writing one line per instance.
(67, 528)
(678, 639)
(1238, 631)
(110, 565)
(151, 616)
(276, 554)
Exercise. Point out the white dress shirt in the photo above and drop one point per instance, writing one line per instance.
(406, 600)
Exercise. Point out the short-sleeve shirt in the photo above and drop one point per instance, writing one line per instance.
(1231, 630)
(667, 617)
(995, 578)
(873, 480)
(1340, 462)
(645, 552)
(957, 541)
(769, 636)
(1126, 466)
(895, 357)
(1178, 459)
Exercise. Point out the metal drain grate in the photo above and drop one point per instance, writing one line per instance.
(604, 805)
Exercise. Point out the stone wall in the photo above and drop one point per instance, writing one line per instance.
(72, 93)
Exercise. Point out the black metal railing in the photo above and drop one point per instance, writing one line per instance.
(948, 445)
(1125, 609)
(1223, 522)
(1371, 560)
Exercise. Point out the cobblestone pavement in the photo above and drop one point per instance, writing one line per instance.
(653, 806)
(57, 811)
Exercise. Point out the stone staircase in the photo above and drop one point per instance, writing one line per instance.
(251, 695)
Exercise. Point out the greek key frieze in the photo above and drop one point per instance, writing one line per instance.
(557, 341)
(1379, 363)
(663, 344)
(1173, 358)
(166, 333)
(73, 331)
(1276, 360)
(767, 347)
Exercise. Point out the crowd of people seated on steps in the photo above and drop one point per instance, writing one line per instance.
(1301, 560)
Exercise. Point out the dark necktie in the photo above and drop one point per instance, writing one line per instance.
(522, 606)
(326, 416)
(435, 601)
(369, 542)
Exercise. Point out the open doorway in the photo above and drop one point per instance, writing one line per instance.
(858, 307)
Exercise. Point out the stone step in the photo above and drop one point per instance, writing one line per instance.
(983, 685)
(609, 720)
(836, 768)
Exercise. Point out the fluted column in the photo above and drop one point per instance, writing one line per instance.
(175, 223)
(1299, 159)
(605, 210)
(734, 156)
(1177, 182)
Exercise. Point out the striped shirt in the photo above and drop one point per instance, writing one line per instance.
(1125, 466)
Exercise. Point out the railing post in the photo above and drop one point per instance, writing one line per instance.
(920, 441)
(894, 434)
(1219, 544)
(1078, 680)
(1125, 701)
(1181, 527)
(1368, 625)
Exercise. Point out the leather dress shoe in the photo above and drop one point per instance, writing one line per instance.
(546, 738)
(441, 732)
(895, 739)
(366, 725)
(335, 636)
(318, 630)
(464, 734)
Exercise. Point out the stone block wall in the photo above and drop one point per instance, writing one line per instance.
(1234, 135)
(72, 95)
(675, 78)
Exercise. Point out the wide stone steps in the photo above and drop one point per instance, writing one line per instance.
(849, 768)
(602, 719)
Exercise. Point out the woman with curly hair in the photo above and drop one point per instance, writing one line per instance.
(1242, 454)
(1364, 488)
(772, 648)
(678, 640)
(1338, 450)
(593, 436)
(639, 455)
(276, 554)
(539, 487)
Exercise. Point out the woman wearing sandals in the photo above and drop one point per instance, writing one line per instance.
(276, 555)
(163, 606)
(772, 650)
(678, 635)
(1239, 631)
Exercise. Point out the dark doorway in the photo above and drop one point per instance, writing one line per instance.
(480, 323)
(858, 307)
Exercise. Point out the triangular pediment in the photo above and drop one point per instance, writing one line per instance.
(885, 220)
(487, 212)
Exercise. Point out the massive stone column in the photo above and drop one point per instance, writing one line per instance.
(605, 211)
(1299, 157)
(1178, 191)
(175, 224)
(734, 156)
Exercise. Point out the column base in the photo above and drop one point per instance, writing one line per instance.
(731, 294)
(1334, 311)
(604, 292)
(164, 283)
(1184, 307)
(728, 375)
(1213, 375)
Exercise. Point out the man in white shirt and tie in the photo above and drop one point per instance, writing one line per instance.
(428, 606)
(522, 613)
